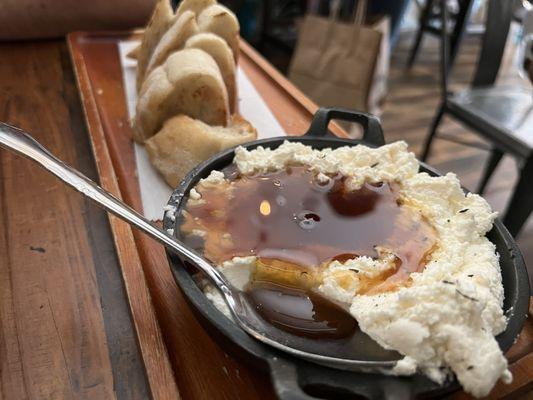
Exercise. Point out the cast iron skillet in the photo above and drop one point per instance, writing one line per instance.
(295, 379)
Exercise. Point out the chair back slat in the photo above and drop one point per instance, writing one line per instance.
(444, 50)
(497, 25)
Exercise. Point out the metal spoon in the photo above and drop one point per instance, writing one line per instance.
(330, 353)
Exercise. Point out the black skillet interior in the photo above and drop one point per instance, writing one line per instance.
(297, 379)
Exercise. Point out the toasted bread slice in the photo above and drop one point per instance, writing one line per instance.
(161, 20)
(219, 20)
(183, 143)
(217, 48)
(189, 82)
(173, 39)
(196, 6)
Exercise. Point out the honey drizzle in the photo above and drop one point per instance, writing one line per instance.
(295, 226)
(290, 217)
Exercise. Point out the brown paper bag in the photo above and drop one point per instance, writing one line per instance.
(340, 64)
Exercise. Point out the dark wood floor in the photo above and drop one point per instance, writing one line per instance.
(412, 102)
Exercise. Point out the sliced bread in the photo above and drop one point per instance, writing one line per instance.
(173, 39)
(196, 6)
(184, 142)
(217, 48)
(219, 20)
(189, 82)
(161, 20)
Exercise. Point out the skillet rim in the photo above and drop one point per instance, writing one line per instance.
(517, 296)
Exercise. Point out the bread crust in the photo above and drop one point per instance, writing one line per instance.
(221, 21)
(196, 6)
(184, 142)
(159, 23)
(189, 82)
(174, 39)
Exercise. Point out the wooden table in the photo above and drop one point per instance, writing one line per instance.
(65, 325)
(66, 329)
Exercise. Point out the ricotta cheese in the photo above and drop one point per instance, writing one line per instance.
(446, 318)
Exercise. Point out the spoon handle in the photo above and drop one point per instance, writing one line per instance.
(20, 142)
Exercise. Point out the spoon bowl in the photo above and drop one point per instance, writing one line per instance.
(344, 354)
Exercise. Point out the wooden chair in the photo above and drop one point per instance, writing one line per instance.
(501, 115)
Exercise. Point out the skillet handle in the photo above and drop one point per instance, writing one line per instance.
(373, 134)
(284, 377)
(395, 389)
(289, 376)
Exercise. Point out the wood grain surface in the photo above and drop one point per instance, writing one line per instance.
(202, 369)
(65, 324)
(154, 353)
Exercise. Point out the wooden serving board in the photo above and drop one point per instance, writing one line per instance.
(180, 357)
